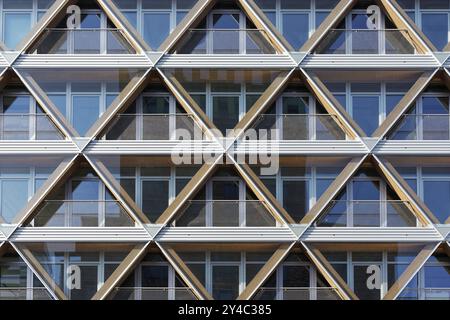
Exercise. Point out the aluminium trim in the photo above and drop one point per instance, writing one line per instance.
(38, 147)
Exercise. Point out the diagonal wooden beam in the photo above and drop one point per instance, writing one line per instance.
(331, 21)
(405, 103)
(126, 97)
(263, 102)
(65, 169)
(40, 271)
(262, 193)
(47, 104)
(122, 271)
(121, 22)
(411, 271)
(191, 188)
(51, 18)
(185, 273)
(332, 105)
(333, 190)
(266, 271)
(189, 104)
(403, 22)
(404, 191)
(329, 273)
(260, 20)
(117, 190)
(193, 17)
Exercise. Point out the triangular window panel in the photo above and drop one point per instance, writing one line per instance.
(81, 96)
(151, 182)
(15, 277)
(300, 181)
(154, 20)
(82, 200)
(19, 18)
(153, 278)
(95, 34)
(225, 201)
(296, 114)
(20, 179)
(224, 95)
(427, 118)
(296, 278)
(225, 272)
(21, 117)
(76, 271)
(154, 115)
(294, 19)
(366, 99)
(365, 31)
(432, 282)
(429, 178)
(226, 29)
(367, 200)
(362, 267)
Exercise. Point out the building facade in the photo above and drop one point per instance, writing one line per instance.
(225, 149)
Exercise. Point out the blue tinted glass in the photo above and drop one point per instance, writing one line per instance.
(366, 190)
(296, 29)
(433, 105)
(85, 112)
(435, 27)
(272, 17)
(365, 112)
(131, 17)
(437, 198)
(14, 196)
(437, 277)
(19, 104)
(16, 26)
(59, 101)
(180, 16)
(320, 16)
(89, 21)
(391, 102)
(156, 28)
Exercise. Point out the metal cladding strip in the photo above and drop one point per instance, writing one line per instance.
(334, 188)
(198, 11)
(45, 103)
(266, 271)
(370, 62)
(263, 102)
(403, 190)
(416, 148)
(40, 272)
(332, 105)
(262, 193)
(136, 85)
(122, 271)
(118, 192)
(56, 10)
(411, 271)
(385, 235)
(337, 14)
(190, 189)
(402, 106)
(150, 147)
(225, 234)
(120, 21)
(65, 168)
(301, 147)
(95, 61)
(402, 21)
(226, 61)
(80, 234)
(24, 147)
(260, 20)
(329, 273)
(185, 273)
(189, 104)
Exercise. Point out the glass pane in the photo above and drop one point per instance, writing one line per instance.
(225, 282)
(435, 27)
(366, 112)
(296, 198)
(362, 286)
(86, 110)
(296, 29)
(437, 198)
(16, 26)
(156, 28)
(14, 196)
(225, 112)
(155, 198)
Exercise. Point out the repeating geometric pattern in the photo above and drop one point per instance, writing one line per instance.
(87, 151)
